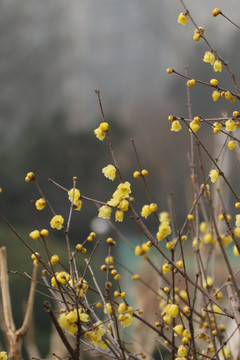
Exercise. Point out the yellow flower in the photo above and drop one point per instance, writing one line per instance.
(237, 232)
(123, 191)
(230, 125)
(178, 329)
(164, 217)
(217, 66)
(76, 195)
(182, 18)
(99, 133)
(29, 177)
(209, 57)
(172, 310)
(35, 235)
(54, 259)
(57, 222)
(194, 126)
(214, 175)
(77, 205)
(123, 205)
(146, 211)
(109, 172)
(232, 144)
(40, 204)
(96, 334)
(163, 231)
(191, 82)
(126, 314)
(214, 82)
(3, 355)
(235, 251)
(166, 268)
(119, 214)
(109, 260)
(68, 321)
(176, 126)
(62, 277)
(182, 350)
(104, 126)
(204, 227)
(216, 12)
(108, 309)
(104, 212)
(237, 223)
(215, 95)
(226, 239)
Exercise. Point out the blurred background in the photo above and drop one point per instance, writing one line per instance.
(55, 53)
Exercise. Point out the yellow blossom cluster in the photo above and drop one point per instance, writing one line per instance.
(30, 176)
(142, 249)
(96, 334)
(148, 209)
(125, 314)
(118, 200)
(74, 196)
(164, 228)
(61, 277)
(69, 320)
(80, 286)
(101, 130)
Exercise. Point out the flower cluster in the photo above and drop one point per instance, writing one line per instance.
(74, 196)
(69, 321)
(101, 130)
(119, 201)
(164, 228)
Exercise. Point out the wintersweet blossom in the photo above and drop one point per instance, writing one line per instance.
(209, 57)
(126, 314)
(68, 321)
(163, 231)
(176, 126)
(194, 126)
(214, 175)
(217, 66)
(172, 310)
(232, 144)
(109, 172)
(215, 95)
(182, 350)
(76, 195)
(30, 176)
(3, 355)
(166, 268)
(182, 18)
(237, 223)
(57, 222)
(164, 216)
(123, 205)
(230, 125)
(96, 335)
(40, 204)
(216, 12)
(35, 235)
(99, 133)
(119, 214)
(104, 212)
(146, 211)
(123, 191)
